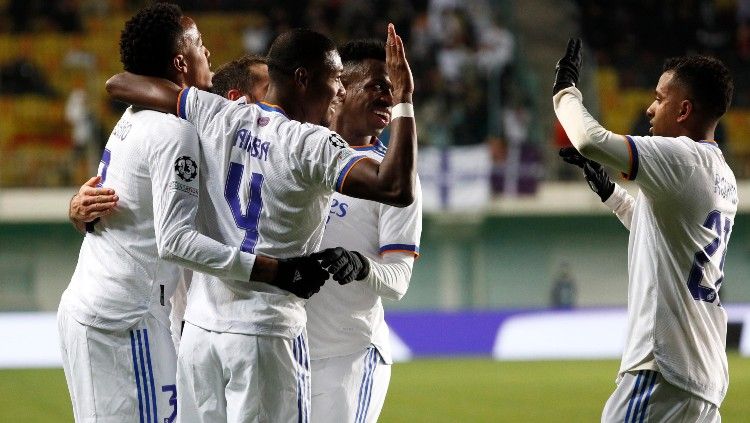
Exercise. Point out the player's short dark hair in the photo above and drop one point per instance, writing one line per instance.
(297, 48)
(355, 52)
(236, 75)
(150, 39)
(707, 80)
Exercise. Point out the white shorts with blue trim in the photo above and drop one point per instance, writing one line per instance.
(350, 388)
(644, 396)
(119, 377)
(229, 377)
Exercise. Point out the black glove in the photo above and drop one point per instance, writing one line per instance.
(344, 265)
(568, 69)
(302, 276)
(596, 176)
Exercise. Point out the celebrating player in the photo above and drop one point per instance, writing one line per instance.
(674, 367)
(270, 180)
(117, 351)
(349, 342)
(246, 76)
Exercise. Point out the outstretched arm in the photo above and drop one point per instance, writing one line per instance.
(585, 133)
(391, 181)
(144, 91)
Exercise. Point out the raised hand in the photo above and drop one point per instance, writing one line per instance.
(597, 178)
(568, 69)
(398, 67)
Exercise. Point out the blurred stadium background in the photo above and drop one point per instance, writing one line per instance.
(520, 262)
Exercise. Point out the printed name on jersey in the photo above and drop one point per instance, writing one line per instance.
(186, 168)
(338, 142)
(122, 129)
(246, 141)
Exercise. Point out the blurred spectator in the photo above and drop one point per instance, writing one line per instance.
(564, 291)
(21, 76)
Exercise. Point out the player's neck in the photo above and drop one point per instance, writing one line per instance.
(352, 138)
(288, 103)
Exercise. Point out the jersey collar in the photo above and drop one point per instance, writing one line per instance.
(271, 108)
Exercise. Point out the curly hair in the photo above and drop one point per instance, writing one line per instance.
(150, 39)
(236, 75)
(707, 81)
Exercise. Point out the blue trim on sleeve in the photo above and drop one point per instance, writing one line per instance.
(182, 103)
(399, 247)
(345, 171)
(634, 162)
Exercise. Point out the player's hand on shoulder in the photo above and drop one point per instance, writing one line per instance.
(568, 69)
(597, 178)
(92, 202)
(345, 266)
(398, 67)
(302, 276)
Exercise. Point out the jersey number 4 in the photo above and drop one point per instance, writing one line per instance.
(723, 227)
(247, 219)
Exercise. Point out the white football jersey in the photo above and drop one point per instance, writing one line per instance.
(346, 319)
(682, 220)
(151, 161)
(268, 182)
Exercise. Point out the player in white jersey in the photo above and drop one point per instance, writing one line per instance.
(113, 318)
(274, 176)
(349, 340)
(674, 367)
(117, 354)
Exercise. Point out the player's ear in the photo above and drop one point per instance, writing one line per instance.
(179, 64)
(686, 109)
(233, 94)
(301, 78)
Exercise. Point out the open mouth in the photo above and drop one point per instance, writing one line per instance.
(383, 115)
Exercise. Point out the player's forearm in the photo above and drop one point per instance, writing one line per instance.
(390, 279)
(144, 91)
(621, 203)
(397, 171)
(189, 248)
(588, 136)
(80, 225)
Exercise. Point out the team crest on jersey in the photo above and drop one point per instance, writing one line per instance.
(186, 168)
(263, 120)
(337, 141)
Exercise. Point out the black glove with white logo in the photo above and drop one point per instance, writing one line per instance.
(568, 69)
(597, 178)
(302, 276)
(344, 265)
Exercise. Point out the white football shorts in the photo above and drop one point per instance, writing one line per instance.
(644, 396)
(229, 377)
(349, 388)
(119, 377)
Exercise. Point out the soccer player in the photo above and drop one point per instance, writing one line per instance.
(117, 351)
(349, 339)
(274, 175)
(674, 367)
(246, 76)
